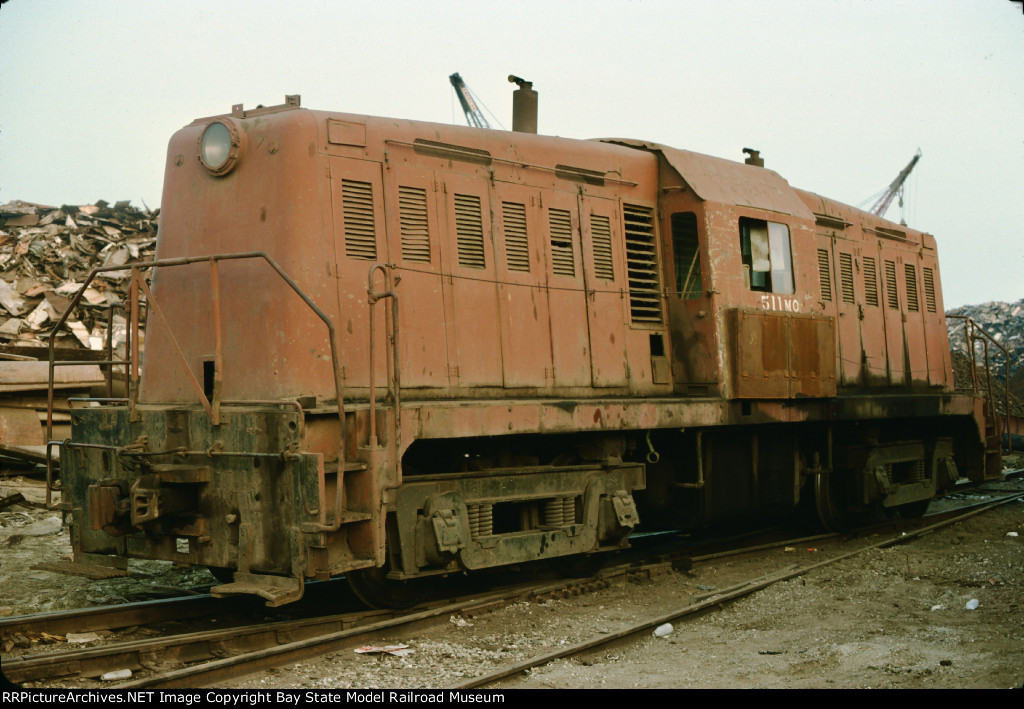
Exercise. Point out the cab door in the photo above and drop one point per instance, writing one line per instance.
(688, 281)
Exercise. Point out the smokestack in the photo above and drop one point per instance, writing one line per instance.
(755, 157)
(524, 106)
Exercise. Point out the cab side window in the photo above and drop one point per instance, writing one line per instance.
(767, 258)
(689, 284)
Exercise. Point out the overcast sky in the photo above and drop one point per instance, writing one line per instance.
(836, 94)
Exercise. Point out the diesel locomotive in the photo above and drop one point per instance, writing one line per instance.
(395, 350)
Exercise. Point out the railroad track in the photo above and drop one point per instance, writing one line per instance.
(720, 598)
(222, 654)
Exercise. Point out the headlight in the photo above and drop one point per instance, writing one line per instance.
(218, 148)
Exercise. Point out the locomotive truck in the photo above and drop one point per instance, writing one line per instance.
(395, 350)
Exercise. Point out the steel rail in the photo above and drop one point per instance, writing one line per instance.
(186, 647)
(113, 617)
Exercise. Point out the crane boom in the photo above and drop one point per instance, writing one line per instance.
(473, 115)
(895, 188)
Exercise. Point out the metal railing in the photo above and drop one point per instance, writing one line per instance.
(212, 404)
(391, 347)
(973, 334)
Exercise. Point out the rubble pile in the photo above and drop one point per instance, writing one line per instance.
(46, 254)
(1005, 323)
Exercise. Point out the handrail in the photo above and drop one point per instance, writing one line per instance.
(138, 285)
(972, 336)
(394, 376)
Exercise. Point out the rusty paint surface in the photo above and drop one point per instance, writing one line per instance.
(779, 356)
(888, 303)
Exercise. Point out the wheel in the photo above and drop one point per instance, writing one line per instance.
(832, 501)
(376, 590)
(913, 510)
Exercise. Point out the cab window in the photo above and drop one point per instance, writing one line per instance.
(689, 284)
(767, 258)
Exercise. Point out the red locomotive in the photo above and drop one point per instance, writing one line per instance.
(394, 350)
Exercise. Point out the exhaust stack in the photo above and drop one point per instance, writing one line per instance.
(524, 106)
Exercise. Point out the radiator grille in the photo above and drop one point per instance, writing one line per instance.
(890, 285)
(601, 234)
(929, 290)
(469, 231)
(560, 223)
(641, 264)
(412, 210)
(825, 275)
(846, 277)
(870, 281)
(911, 273)
(517, 250)
(357, 208)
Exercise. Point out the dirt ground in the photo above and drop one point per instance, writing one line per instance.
(890, 618)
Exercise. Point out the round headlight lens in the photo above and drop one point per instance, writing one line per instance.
(218, 148)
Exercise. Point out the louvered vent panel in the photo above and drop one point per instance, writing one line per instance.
(870, 281)
(360, 236)
(890, 285)
(641, 264)
(911, 273)
(846, 277)
(560, 223)
(929, 290)
(469, 229)
(825, 275)
(412, 210)
(517, 249)
(601, 232)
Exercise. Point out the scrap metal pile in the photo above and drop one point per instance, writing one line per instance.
(45, 255)
(1005, 323)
